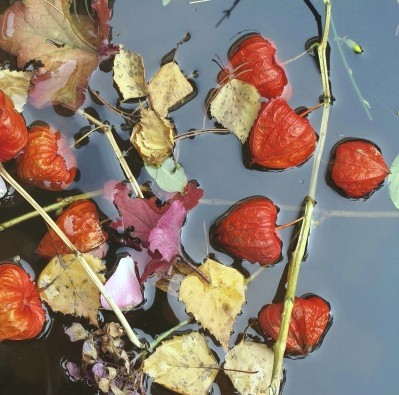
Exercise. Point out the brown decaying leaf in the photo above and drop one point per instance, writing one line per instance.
(236, 107)
(67, 287)
(153, 137)
(129, 74)
(183, 364)
(167, 88)
(215, 306)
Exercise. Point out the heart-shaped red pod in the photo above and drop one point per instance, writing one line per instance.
(248, 231)
(280, 138)
(13, 132)
(310, 321)
(47, 161)
(21, 312)
(357, 167)
(81, 225)
(253, 59)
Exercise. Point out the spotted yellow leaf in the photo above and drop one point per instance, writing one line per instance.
(214, 305)
(183, 364)
(168, 88)
(15, 84)
(236, 107)
(129, 74)
(153, 137)
(69, 289)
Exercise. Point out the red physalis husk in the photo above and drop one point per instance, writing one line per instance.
(21, 313)
(13, 132)
(81, 225)
(253, 58)
(248, 231)
(47, 161)
(358, 167)
(280, 138)
(309, 322)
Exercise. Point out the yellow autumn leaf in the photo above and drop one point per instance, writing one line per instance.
(69, 289)
(236, 107)
(214, 305)
(153, 137)
(248, 356)
(15, 84)
(129, 74)
(167, 88)
(183, 364)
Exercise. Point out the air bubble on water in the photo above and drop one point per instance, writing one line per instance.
(301, 181)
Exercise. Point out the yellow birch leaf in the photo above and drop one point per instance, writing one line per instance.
(153, 137)
(236, 107)
(183, 364)
(167, 88)
(215, 306)
(249, 356)
(129, 74)
(15, 84)
(69, 289)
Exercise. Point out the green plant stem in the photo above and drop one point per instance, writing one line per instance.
(52, 207)
(118, 152)
(300, 249)
(79, 256)
(164, 335)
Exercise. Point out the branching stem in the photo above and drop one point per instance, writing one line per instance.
(79, 256)
(310, 202)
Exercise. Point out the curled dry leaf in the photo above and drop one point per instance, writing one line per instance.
(16, 84)
(309, 323)
(47, 161)
(358, 167)
(245, 357)
(129, 74)
(214, 305)
(153, 137)
(21, 312)
(13, 132)
(81, 225)
(45, 32)
(76, 332)
(248, 231)
(168, 88)
(236, 107)
(281, 138)
(253, 57)
(183, 364)
(67, 287)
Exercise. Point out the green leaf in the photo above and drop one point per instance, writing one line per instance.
(393, 182)
(169, 177)
(166, 2)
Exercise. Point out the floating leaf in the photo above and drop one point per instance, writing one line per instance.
(153, 137)
(248, 356)
(76, 332)
(16, 84)
(168, 88)
(236, 107)
(183, 364)
(353, 45)
(169, 176)
(215, 305)
(166, 2)
(69, 289)
(393, 182)
(3, 188)
(129, 74)
(45, 32)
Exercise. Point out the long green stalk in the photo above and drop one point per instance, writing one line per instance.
(310, 202)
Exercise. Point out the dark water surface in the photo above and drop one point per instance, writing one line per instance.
(353, 259)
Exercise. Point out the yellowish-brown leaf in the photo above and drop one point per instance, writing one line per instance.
(15, 84)
(215, 306)
(69, 289)
(153, 137)
(236, 107)
(129, 74)
(183, 364)
(168, 88)
(249, 356)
